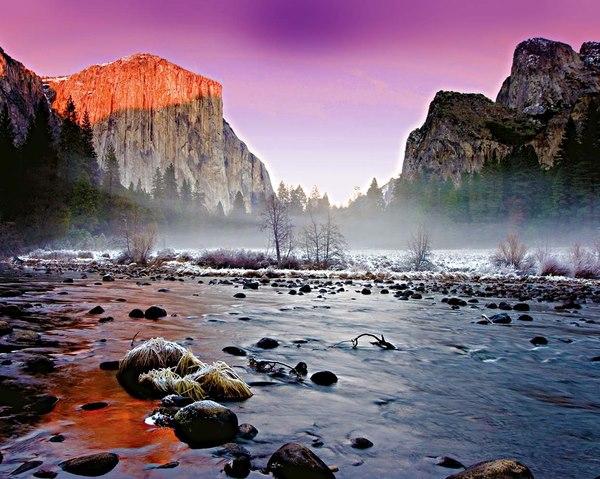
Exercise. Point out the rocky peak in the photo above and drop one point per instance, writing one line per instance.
(140, 81)
(455, 137)
(20, 90)
(590, 53)
(549, 76)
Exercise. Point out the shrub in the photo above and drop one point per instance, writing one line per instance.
(584, 263)
(550, 266)
(512, 252)
(139, 239)
(242, 259)
(419, 250)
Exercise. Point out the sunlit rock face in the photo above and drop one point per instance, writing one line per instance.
(548, 75)
(549, 84)
(21, 90)
(155, 113)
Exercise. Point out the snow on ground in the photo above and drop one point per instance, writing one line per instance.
(466, 261)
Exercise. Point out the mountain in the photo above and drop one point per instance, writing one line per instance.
(20, 90)
(549, 83)
(153, 113)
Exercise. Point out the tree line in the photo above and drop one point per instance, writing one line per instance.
(53, 187)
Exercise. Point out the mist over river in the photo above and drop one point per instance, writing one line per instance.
(451, 388)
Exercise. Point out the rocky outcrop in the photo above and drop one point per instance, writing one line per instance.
(244, 171)
(21, 90)
(549, 83)
(549, 76)
(155, 113)
(456, 136)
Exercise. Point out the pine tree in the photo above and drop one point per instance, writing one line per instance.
(219, 210)
(586, 170)
(239, 207)
(375, 197)
(170, 183)
(158, 185)
(112, 174)
(563, 200)
(8, 164)
(199, 198)
(324, 204)
(283, 193)
(185, 193)
(297, 200)
(91, 166)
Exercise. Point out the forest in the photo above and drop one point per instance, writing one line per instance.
(54, 188)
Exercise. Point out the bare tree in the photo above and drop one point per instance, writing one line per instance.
(276, 221)
(512, 252)
(139, 238)
(419, 249)
(324, 244)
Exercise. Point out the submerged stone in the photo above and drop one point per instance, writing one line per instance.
(205, 424)
(96, 310)
(92, 466)
(496, 469)
(294, 461)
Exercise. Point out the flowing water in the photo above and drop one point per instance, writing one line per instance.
(452, 387)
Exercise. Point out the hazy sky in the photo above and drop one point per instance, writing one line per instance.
(325, 92)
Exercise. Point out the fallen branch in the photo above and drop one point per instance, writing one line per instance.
(134, 336)
(381, 342)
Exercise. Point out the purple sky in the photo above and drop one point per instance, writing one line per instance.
(325, 92)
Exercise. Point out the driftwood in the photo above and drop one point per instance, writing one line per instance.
(379, 341)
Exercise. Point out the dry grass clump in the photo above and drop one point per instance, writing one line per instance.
(156, 353)
(551, 266)
(194, 379)
(512, 253)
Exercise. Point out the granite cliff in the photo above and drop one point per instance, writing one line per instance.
(549, 83)
(154, 113)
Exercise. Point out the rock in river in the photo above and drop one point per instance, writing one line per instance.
(538, 341)
(136, 313)
(267, 343)
(294, 461)
(238, 467)
(496, 469)
(92, 466)
(324, 378)
(205, 424)
(361, 443)
(155, 312)
(501, 318)
(39, 364)
(234, 351)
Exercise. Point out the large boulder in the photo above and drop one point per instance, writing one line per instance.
(205, 424)
(92, 466)
(495, 469)
(294, 461)
(155, 353)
